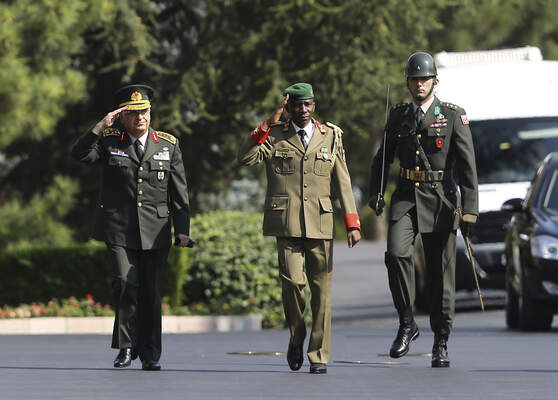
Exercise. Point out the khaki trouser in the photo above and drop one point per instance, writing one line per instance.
(300, 261)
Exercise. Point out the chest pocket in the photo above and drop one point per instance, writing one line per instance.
(283, 161)
(323, 164)
(159, 173)
(436, 141)
(119, 161)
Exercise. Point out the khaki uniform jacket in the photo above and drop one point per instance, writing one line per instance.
(446, 139)
(138, 197)
(298, 200)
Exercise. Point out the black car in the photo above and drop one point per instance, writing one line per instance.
(531, 252)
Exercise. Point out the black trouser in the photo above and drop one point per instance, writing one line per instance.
(439, 254)
(137, 279)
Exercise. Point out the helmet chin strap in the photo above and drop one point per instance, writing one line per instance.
(427, 95)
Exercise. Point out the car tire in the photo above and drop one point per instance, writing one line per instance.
(512, 308)
(533, 316)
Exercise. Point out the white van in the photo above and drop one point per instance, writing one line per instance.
(511, 100)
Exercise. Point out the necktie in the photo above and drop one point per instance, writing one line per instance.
(139, 150)
(420, 116)
(302, 134)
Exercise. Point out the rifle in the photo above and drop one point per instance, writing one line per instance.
(380, 198)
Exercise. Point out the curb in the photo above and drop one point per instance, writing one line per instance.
(104, 325)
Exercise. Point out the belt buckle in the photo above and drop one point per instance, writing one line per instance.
(416, 175)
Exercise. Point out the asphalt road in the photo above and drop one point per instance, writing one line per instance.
(488, 361)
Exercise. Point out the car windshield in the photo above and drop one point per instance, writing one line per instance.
(510, 150)
(550, 199)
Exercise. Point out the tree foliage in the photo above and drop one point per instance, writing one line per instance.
(219, 68)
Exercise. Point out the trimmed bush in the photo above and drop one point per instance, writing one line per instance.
(233, 268)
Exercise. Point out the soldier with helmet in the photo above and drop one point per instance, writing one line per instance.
(436, 193)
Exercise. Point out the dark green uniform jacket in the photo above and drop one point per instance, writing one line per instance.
(446, 139)
(137, 197)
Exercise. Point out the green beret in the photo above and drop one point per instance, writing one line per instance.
(134, 97)
(299, 91)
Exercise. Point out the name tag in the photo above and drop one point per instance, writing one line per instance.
(162, 155)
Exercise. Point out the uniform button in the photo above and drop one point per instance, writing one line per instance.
(306, 199)
(330, 209)
(417, 152)
(141, 168)
(305, 172)
(160, 163)
(326, 156)
(139, 204)
(102, 206)
(140, 180)
(437, 130)
(119, 162)
(274, 205)
(160, 167)
(417, 168)
(305, 185)
(417, 184)
(140, 192)
(419, 136)
(305, 158)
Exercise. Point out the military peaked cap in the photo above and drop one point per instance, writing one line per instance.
(134, 97)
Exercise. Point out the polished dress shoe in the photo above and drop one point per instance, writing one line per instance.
(150, 365)
(440, 358)
(405, 335)
(295, 356)
(317, 368)
(124, 358)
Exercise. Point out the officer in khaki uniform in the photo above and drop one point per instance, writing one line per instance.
(143, 189)
(433, 143)
(302, 156)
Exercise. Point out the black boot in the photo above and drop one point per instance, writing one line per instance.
(408, 331)
(440, 357)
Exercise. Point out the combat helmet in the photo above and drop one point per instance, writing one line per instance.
(420, 65)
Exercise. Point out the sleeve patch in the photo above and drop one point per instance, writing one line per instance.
(464, 120)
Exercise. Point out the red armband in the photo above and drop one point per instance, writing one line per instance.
(259, 135)
(352, 221)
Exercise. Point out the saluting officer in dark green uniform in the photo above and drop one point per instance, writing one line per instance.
(433, 143)
(143, 188)
(303, 158)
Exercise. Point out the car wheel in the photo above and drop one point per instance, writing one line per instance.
(512, 308)
(532, 316)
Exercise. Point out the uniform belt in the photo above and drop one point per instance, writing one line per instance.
(421, 176)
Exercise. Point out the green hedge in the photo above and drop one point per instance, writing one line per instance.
(232, 269)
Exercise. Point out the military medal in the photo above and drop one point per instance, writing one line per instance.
(439, 143)
(160, 175)
(437, 110)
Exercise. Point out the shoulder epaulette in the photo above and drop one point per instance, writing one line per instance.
(111, 132)
(400, 105)
(334, 127)
(449, 105)
(167, 136)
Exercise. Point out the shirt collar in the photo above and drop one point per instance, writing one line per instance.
(424, 106)
(142, 138)
(309, 128)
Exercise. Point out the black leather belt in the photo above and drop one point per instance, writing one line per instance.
(421, 176)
